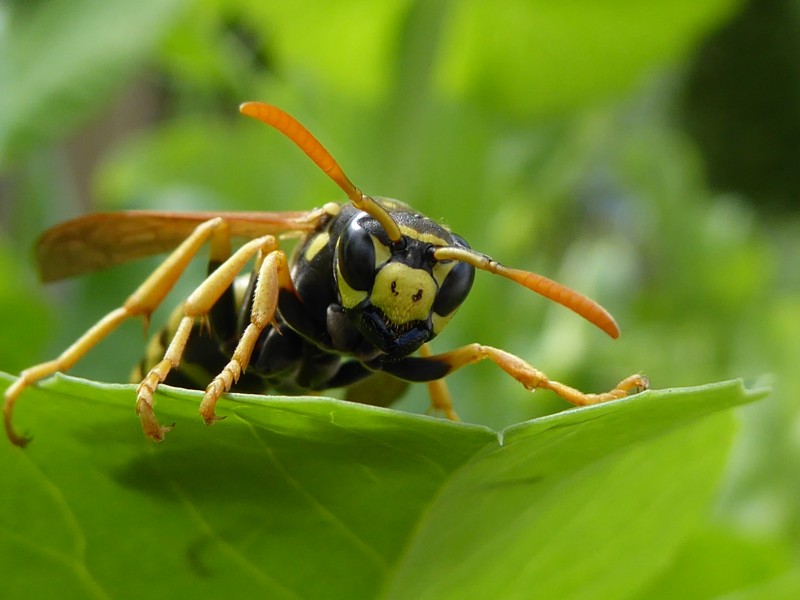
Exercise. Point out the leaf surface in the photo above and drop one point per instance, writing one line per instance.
(319, 498)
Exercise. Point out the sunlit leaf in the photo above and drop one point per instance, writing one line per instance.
(319, 498)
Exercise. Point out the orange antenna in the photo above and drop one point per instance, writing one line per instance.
(575, 301)
(311, 146)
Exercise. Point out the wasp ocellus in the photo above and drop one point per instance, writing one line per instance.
(371, 282)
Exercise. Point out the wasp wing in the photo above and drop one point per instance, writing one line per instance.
(102, 240)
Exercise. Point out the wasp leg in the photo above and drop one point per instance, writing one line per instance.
(441, 400)
(142, 302)
(440, 365)
(197, 306)
(533, 378)
(273, 276)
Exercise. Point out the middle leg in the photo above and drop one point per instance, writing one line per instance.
(441, 400)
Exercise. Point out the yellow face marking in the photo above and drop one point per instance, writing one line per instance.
(438, 322)
(315, 245)
(440, 271)
(423, 237)
(382, 252)
(403, 294)
(350, 297)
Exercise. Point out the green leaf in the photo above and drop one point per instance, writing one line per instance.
(539, 57)
(319, 498)
(528, 57)
(717, 561)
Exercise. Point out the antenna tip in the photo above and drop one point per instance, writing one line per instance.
(249, 108)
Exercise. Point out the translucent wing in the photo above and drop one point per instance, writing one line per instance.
(101, 240)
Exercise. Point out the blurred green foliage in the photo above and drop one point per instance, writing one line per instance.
(742, 103)
(551, 135)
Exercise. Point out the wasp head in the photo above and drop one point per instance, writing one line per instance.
(395, 292)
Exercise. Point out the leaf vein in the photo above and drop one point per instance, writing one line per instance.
(359, 542)
(251, 569)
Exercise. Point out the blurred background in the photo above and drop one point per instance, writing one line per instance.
(645, 154)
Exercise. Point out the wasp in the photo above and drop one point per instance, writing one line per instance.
(370, 283)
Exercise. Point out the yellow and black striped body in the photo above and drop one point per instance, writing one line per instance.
(371, 283)
(361, 304)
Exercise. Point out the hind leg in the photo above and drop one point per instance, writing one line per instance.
(147, 297)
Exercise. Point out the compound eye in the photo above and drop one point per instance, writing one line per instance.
(456, 285)
(357, 256)
(454, 289)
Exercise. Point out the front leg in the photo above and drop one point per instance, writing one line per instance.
(430, 368)
(273, 277)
